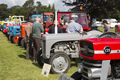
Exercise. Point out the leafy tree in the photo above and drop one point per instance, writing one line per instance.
(96, 8)
(29, 7)
(3, 11)
(53, 8)
(38, 7)
(15, 10)
(49, 8)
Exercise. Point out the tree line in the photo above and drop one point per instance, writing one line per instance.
(27, 9)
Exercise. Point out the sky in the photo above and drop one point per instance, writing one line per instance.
(58, 4)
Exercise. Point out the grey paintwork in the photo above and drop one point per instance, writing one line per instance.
(49, 39)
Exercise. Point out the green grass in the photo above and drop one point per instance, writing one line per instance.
(102, 29)
(13, 65)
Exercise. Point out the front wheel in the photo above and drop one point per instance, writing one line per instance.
(60, 62)
(11, 39)
(15, 39)
(77, 76)
(39, 58)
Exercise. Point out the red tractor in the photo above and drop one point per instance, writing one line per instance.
(100, 59)
(63, 19)
(80, 17)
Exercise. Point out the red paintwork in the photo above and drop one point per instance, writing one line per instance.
(16, 39)
(99, 44)
(47, 29)
(62, 14)
(117, 28)
(48, 23)
(4, 31)
(63, 27)
(23, 30)
(42, 34)
(86, 28)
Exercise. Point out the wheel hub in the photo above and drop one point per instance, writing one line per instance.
(60, 64)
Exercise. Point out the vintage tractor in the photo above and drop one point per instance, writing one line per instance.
(14, 36)
(1, 26)
(21, 40)
(58, 49)
(79, 17)
(34, 16)
(5, 25)
(100, 59)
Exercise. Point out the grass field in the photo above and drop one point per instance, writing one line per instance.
(13, 65)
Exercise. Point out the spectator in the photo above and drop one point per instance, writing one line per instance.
(37, 29)
(28, 31)
(106, 26)
(74, 27)
(52, 29)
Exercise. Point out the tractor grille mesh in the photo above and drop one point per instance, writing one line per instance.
(86, 46)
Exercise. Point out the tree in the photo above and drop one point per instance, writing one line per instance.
(49, 8)
(15, 10)
(29, 8)
(96, 8)
(53, 8)
(3, 11)
(44, 9)
(38, 7)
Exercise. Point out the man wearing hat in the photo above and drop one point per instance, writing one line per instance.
(74, 27)
(106, 26)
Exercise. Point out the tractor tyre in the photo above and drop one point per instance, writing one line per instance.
(77, 76)
(24, 45)
(19, 41)
(0, 28)
(108, 35)
(11, 39)
(60, 62)
(39, 58)
(22, 42)
(15, 39)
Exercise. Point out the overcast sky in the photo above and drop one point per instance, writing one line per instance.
(58, 4)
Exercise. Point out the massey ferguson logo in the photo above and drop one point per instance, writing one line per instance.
(107, 50)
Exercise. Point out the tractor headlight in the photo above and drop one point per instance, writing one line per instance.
(94, 72)
(80, 66)
(89, 73)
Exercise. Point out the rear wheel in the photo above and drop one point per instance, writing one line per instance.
(108, 35)
(60, 62)
(19, 41)
(15, 39)
(77, 76)
(39, 58)
(24, 45)
(22, 42)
